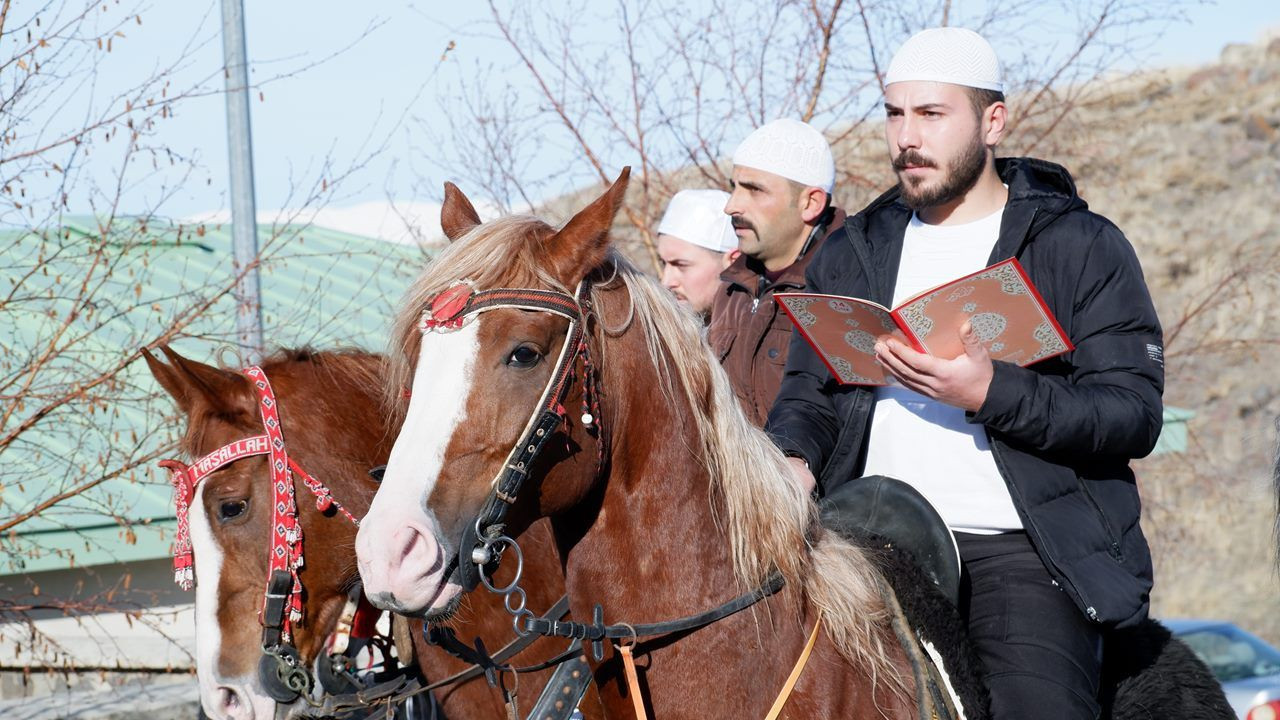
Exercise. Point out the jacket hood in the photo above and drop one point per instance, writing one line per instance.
(1048, 185)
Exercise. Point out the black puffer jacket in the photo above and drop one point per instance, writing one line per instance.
(1062, 431)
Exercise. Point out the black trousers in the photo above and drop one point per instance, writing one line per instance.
(1043, 658)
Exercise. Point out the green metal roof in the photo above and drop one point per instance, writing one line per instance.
(319, 287)
(1173, 436)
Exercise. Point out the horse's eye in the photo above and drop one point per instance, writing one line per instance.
(232, 509)
(524, 357)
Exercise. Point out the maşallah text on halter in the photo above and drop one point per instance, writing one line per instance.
(1003, 307)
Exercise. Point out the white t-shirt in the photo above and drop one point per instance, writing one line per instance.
(924, 442)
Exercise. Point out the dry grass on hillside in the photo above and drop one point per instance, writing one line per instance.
(1188, 164)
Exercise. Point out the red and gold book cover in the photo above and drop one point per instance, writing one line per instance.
(1004, 307)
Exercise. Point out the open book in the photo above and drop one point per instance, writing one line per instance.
(1008, 316)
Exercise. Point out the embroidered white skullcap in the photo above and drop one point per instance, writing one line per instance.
(947, 54)
(791, 149)
(697, 216)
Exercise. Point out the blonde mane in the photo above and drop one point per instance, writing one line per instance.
(771, 523)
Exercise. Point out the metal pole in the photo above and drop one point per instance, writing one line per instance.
(244, 223)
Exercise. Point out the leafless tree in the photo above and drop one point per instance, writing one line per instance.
(670, 87)
(91, 277)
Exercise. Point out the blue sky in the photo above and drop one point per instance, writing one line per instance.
(356, 74)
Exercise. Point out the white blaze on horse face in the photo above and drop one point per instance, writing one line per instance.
(208, 572)
(391, 562)
(237, 698)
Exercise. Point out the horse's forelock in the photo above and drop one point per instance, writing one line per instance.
(500, 253)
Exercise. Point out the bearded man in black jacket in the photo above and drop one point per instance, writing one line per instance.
(1028, 466)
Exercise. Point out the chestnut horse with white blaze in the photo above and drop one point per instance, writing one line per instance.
(550, 378)
(328, 407)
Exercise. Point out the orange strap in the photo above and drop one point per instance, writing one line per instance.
(633, 682)
(790, 685)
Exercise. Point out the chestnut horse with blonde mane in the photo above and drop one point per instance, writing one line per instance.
(674, 516)
(665, 500)
(334, 427)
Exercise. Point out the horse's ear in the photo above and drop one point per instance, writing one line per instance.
(166, 376)
(457, 214)
(581, 244)
(191, 384)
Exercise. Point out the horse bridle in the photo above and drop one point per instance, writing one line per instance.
(282, 673)
(283, 676)
(480, 547)
(483, 541)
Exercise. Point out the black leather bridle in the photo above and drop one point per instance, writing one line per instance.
(482, 540)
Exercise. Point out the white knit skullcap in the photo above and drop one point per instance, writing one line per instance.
(697, 216)
(947, 54)
(791, 149)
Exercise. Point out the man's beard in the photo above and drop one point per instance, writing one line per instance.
(959, 176)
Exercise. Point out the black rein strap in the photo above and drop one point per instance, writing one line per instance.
(596, 632)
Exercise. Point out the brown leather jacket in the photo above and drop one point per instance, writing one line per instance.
(749, 333)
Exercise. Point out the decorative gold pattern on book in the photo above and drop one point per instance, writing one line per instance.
(861, 340)
(988, 326)
(1011, 282)
(913, 315)
(1050, 343)
(799, 307)
(845, 372)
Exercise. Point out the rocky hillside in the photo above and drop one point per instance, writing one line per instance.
(1187, 163)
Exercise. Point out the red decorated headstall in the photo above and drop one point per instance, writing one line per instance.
(286, 536)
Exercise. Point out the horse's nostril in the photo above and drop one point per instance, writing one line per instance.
(231, 705)
(414, 550)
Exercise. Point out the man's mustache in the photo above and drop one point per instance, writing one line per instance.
(741, 223)
(911, 157)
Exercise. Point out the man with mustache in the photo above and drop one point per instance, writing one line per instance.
(696, 243)
(1028, 466)
(781, 210)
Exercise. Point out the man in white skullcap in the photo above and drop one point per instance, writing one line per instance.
(696, 243)
(783, 175)
(1027, 466)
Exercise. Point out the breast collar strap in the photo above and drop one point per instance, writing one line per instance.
(597, 632)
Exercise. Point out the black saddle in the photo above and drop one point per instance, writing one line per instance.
(898, 514)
